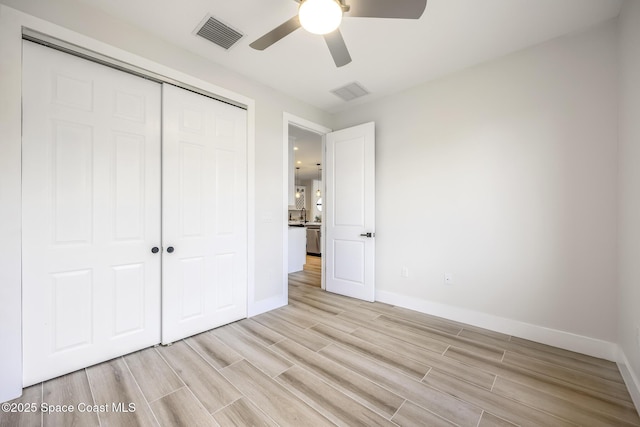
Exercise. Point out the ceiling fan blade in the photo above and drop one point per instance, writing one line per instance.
(398, 9)
(276, 34)
(338, 48)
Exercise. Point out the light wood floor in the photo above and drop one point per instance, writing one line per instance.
(312, 268)
(326, 359)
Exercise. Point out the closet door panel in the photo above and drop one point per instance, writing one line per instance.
(91, 213)
(204, 214)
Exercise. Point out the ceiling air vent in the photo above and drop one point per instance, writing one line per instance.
(218, 32)
(351, 91)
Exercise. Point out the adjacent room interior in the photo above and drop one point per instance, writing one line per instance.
(425, 215)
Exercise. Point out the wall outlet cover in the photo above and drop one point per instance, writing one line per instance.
(448, 279)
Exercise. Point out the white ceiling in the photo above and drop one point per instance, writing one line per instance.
(388, 55)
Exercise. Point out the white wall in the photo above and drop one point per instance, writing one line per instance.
(10, 214)
(104, 32)
(629, 196)
(504, 175)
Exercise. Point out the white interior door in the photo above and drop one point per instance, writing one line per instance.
(204, 201)
(350, 212)
(91, 213)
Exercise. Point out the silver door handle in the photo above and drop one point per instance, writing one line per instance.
(368, 235)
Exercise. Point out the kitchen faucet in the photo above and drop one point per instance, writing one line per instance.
(303, 211)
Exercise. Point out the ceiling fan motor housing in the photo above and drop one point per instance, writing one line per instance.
(320, 16)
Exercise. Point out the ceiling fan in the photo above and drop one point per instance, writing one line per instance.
(323, 17)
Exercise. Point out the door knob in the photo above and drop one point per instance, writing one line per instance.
(155, 250)
(170, 249)
(367, 235)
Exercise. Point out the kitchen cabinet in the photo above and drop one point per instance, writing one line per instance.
(297, 248)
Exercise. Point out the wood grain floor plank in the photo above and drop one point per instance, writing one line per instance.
(486, 332)
(396, 331)
(564, 353)
(567, 409)
(490, 420)
(154, 376)
(507, 409)
(341, 303)
(380, 338)
(362, 311)
(582, 379)
(333, 404)
(313, 263)
(290, 314)
(318, 316)
(540, 381)
(588, 366)
(260, 356)
(327, 308)
(371, 395)
(243, 413)
(71, 389)
(591, 366)
(26, 418)
(277, 402)
(497, 342)
(258, 332)
(214, 351)
(419, 329)
(433, 322)
(310, 278)
(450, 366)
(445, 406)
(390, 358)
(410, 415)
(112, 383)
(206, 383)
(355, 318)
(301, 336)
(377, 305)
(181, 408)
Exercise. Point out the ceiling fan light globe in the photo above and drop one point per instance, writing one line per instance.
(320, 16)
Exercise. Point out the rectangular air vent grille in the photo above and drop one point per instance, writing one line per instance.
(218, 32)
(351, 91)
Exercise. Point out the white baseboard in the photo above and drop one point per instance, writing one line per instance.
(566, 340)
(631, 378)
(269, 304)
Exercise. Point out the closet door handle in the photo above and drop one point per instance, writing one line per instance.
(170, 249)
(155, 250)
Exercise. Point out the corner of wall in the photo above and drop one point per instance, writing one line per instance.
(631, 378)
(259, 307)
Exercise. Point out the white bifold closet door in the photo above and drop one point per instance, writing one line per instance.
(91, 213)
(204, 208)
(102, 190)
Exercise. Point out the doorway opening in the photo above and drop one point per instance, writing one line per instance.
(304, 194)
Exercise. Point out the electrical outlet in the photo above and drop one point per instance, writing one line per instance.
(638, 335)
(404, 272)
(448, 279)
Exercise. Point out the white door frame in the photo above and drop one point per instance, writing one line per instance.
(12, 23)
(290, 119)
